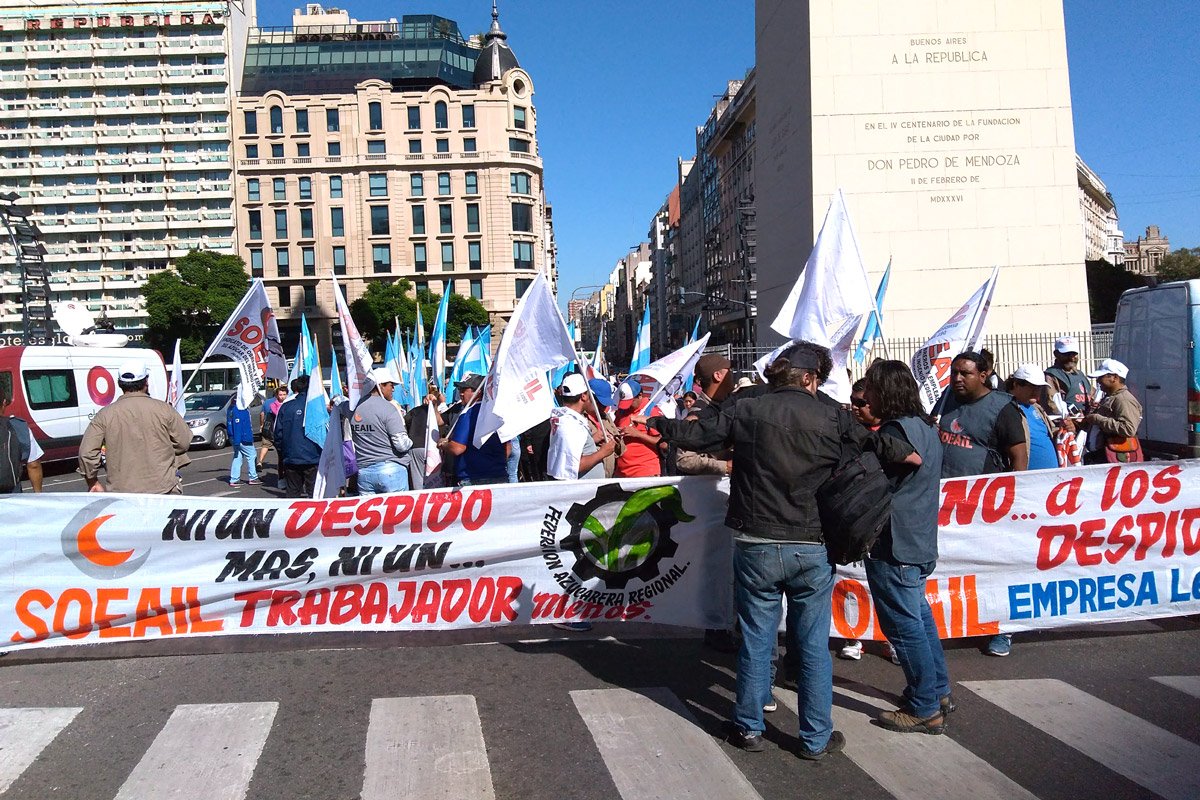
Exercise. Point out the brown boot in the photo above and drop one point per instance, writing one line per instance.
(903, 722)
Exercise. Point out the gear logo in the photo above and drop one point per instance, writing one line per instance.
(619, 535)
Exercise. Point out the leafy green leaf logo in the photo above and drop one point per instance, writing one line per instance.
(631, 538)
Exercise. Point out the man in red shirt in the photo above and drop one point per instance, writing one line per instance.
(640, 459)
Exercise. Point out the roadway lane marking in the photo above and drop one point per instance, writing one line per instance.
(888, 757)
(24, 733)
(428, 748)
(1189, 684)
(204, 751)
(654, 749)
(1128, 745)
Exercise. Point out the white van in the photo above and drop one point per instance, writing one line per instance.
(1155, 336)
(58, 390)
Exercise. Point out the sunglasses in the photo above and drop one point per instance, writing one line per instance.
(857, 402)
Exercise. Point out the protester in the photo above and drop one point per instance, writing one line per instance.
(906, 553)
(686, 401)
(512, 463)
(19, 449)
(241, 439)
(1112, 427)
(534, 445)
(576, 450)
(1065, 377)
(466, 389)
(380, 440)
(640, 458)
(714, 382)
(144, 440)
(298, 454)
(417, 421)
(1027, 386)
(474, 466)
(785, 444)
(603, 395)
(268, 415)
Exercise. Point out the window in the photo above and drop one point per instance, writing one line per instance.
(521, 285)
(301, 120)
(277, 150)
(468, 114)
(308, 258)
(420, 261)
(414, 146)
(306, 223)
(471, 179)
(447, 256)
(285, 296)
(256, 263)
(335, 186)
(474, 256)
(331, 120)
(50, 388)
(421, 286)
(472, 217)
(374, 116)
(414, 118)
(440, 118)
(310, 295)
(523, 256)
(337, 224)
(522, 217)
(469, 144)
(281, 224)
(442, 145)
(443, 183)
(251, 151)
(252, 192)
(477, 289)
(276, 119)
(378, 184)
(518, 183)
(334, 148)
(376, 147)
(446, 219)
(339, 260)
(306, 188)
(281, 262)
(279, 188)
(381, 257)
(518, 145)
(416, 184)
(418, 220)
(251, 118)
(380, 224)
(255, 224)
(519, 117)
(303, 150)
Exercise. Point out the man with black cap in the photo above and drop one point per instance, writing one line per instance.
(144, 439)
(474, 466)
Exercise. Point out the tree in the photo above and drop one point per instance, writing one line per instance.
(376, 312)
(1105, 283)
(1181, 265)
(192, 300)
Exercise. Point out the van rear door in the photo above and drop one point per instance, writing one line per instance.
(1153, 338)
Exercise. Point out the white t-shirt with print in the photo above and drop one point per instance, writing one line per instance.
(569, 437)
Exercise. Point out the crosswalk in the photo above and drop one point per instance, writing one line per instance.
(434, 747)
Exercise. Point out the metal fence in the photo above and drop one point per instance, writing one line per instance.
(1010, 349)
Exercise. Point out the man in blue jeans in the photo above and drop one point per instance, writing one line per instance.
(380, 438)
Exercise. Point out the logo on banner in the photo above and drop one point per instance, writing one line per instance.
(619, 535)
(81, 545)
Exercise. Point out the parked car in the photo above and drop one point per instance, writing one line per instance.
(205, 415)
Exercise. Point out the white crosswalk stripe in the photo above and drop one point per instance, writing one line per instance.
(654, 749)
(204, 751)
(888, 757)
(428, 748)
(1128, 745)
(24, 733)
(1189, 684)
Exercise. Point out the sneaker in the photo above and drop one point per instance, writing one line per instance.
(948, 706)
(1000, 645)
(232, 482)
(573, 626)
(836, 744)
(891, 651)
(771, 706)
(901, 721)
(254, 482)
(744, 740)
(852, 651)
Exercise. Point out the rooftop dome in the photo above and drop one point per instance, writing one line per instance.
(497, 57)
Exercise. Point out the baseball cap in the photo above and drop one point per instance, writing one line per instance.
(1066, 344)
(1110, 366)
(1030, 373)
(573, 385)
(602, 390)
(132, 370)
(710, 363)
(627, 390)
(381, 375)
(472, 382)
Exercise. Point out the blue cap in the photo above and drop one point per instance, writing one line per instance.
(602, 390)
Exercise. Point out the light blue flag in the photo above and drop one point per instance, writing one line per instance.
(316, 407)
(641, 347)
(415, 371)
(691, 378)
(874, 329)
(335, 380)
(557, 378)
(460, 363)
(437, 341)
(485, 350)
(308, 348)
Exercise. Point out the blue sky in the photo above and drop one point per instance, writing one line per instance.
(621, 86)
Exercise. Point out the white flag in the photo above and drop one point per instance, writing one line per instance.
(251, 338)
(962, 332)
(433, 456)
(831, 297)
(517, 394)
(672, 370)
(355, 351)
(175, 386)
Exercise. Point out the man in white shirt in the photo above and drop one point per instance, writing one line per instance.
(574, 450)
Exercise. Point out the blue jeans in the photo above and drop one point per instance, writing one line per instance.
(242, 452)
(514, 459)
(898, 592)
(764, 575)
(386, 476)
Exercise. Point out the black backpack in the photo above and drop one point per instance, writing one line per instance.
(10, 458)
(855, 502)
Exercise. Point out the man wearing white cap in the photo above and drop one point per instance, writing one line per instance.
(1026, 386)
(144, 439)
(380, 438)
(574, 452)
(1066, 377)
(1112, 427)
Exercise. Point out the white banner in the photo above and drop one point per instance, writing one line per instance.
(250, 337)
(961, 333)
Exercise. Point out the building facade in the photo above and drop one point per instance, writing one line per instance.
(1102, 236)
(115, 133)
(1144, 254)
(387, 151)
